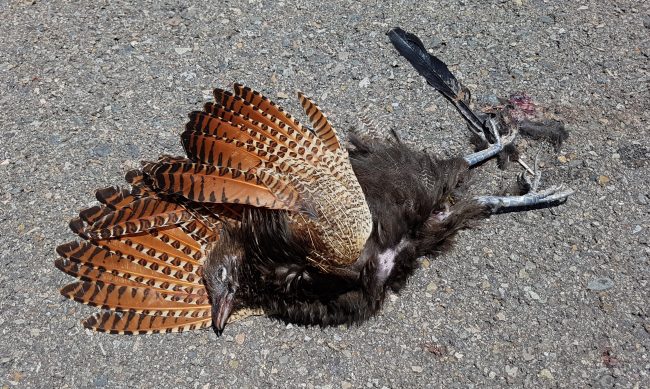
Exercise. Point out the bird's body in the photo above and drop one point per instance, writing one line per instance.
(409, 196)
(264, 213)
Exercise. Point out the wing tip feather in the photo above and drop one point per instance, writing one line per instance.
(77, 226)
(64, 249)
(89, 215)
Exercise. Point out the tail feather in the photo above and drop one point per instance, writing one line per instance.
(160, 261)
(247, 108)
(89, 273)
(260, 131)
(200, 232)
(149, 271)
(114, 197)
(86, 272)
(140, 215)
(213, 184)
(218, 135)
(270, 133)
(150, 281)
(220, 151)
(218, 122)
(94, 213)
(437, 75)
(135, 177)
(267, 106)
(283, 122)
(178, 239)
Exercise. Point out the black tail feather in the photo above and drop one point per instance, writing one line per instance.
(431, 68)
(437, 75)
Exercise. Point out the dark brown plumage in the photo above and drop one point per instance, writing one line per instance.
(265, 214)
(409, 195)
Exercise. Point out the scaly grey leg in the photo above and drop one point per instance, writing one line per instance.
(546, 196)
(494, 148)
(532, 198)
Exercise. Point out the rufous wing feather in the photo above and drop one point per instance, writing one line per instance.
(140, 215)
(120, 298)
(213, 184)
(131, 323)
(154, 275)
(322, 127)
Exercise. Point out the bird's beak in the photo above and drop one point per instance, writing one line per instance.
(221, 310)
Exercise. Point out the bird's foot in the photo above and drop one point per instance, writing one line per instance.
(534, 197)
(495, 146)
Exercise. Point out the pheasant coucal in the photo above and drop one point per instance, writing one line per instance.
(265, 214)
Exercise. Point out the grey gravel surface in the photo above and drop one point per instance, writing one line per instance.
(548, 298)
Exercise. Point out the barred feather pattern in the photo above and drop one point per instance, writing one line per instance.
(146, 278)
(322, 127)
(245, 149)
(333, 205)
(142, 250)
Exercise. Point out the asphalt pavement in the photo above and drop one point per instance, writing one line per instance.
(548, 298)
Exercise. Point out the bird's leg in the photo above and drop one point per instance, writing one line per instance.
(534, 197)
(547, 196)
(438, 75)
(495, 148)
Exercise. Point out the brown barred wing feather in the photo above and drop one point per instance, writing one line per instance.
(331, 204)
(146, 281)
(131, 323)
(220, 184)
(140, 215)
(322, 126)
(142, 254)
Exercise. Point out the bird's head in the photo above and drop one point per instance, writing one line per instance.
(221, 278)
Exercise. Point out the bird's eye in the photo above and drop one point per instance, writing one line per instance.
(224, 274)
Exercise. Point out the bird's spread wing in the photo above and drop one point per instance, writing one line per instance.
(140, 260)
(142, 250)
(245, 149)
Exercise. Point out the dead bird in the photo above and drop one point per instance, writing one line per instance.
(265, 214)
